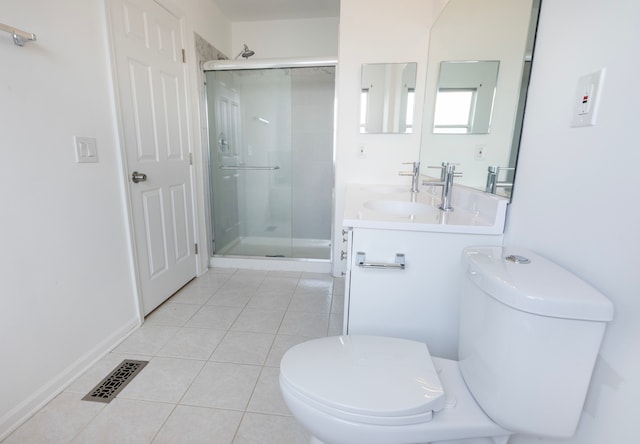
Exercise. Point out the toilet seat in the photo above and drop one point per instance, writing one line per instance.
(335, 375)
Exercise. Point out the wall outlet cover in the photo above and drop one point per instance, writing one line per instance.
(587, 99)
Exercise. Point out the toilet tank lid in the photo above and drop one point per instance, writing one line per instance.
(529, 282)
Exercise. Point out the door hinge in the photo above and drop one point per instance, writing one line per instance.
(190, 158)
(184, 56)
(196, 249)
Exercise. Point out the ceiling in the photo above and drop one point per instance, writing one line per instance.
(256, 10)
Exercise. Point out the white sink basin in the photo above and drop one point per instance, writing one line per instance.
(386, 206)
(399, 207)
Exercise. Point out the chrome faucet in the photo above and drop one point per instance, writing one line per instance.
(446, 182)
(492, 179)
(414, 173)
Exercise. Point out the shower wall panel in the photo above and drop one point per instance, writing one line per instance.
(312, 139)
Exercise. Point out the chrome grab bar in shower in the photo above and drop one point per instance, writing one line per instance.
(19, 37)
(399, 263)
(252, 168)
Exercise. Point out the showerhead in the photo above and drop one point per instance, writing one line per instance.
(246, 52)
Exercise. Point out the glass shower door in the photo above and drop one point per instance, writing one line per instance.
(250, 162)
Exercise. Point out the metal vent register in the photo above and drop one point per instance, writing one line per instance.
(109, 387)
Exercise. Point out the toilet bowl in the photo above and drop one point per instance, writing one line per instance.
(516, 317)
(377, 390)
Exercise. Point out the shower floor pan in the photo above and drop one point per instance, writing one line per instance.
(278, 247)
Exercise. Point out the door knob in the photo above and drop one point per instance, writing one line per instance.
(138, 177)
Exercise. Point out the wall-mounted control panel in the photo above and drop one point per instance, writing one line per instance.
(587, 98)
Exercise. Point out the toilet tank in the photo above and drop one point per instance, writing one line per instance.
(529, 337)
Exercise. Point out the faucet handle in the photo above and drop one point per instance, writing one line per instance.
(414, 171)
(450, 170)
(494, 169)
(447, 168)
(444, 165)
(416, 165)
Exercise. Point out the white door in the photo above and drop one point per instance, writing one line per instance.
(148, 46)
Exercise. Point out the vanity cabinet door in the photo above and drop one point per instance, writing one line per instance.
(418, 302)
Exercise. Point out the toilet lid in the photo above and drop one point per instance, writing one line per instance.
(365, 376)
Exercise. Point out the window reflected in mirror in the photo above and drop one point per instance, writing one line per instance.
(454, 111)
(387, 98)
(464, 100)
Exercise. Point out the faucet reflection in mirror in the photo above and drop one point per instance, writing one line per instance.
(493, 183)
(480, 30)
(414, 173)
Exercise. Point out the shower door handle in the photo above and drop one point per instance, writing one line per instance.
(138, 177)
(252, 168)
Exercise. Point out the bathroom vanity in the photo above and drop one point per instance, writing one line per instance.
(404, 256)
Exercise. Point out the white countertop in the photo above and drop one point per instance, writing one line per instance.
(475, 212)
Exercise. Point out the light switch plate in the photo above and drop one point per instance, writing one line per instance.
(587, 98)
(86, 149)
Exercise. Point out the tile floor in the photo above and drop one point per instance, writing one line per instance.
(214, 350)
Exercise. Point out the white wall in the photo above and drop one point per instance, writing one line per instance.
(205, 18)
(575, 199)
(287, 38)
(67, 288)
(376, 31)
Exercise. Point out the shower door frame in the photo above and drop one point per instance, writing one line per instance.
(257, 64)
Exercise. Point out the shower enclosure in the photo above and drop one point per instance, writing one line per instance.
(271, 134)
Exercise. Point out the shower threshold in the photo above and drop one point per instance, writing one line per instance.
(271, 263)
(262, 246)
(264, 253)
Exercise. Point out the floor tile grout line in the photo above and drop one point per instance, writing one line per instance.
(262, 364)
(175, 406)
(84, 426)
(206, 362)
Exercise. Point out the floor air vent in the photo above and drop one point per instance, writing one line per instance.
(109, 387)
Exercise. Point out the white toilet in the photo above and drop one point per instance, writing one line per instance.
(529, 336)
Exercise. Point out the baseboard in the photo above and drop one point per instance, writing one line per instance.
(26, 409)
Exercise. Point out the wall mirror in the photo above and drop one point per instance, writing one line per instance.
(501, 34)
(464, 99)
(387, 98)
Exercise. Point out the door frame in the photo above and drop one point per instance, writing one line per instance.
(119, 129)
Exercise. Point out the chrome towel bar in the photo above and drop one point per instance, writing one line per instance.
(19, 37)
(254, 168)
(399, 263)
